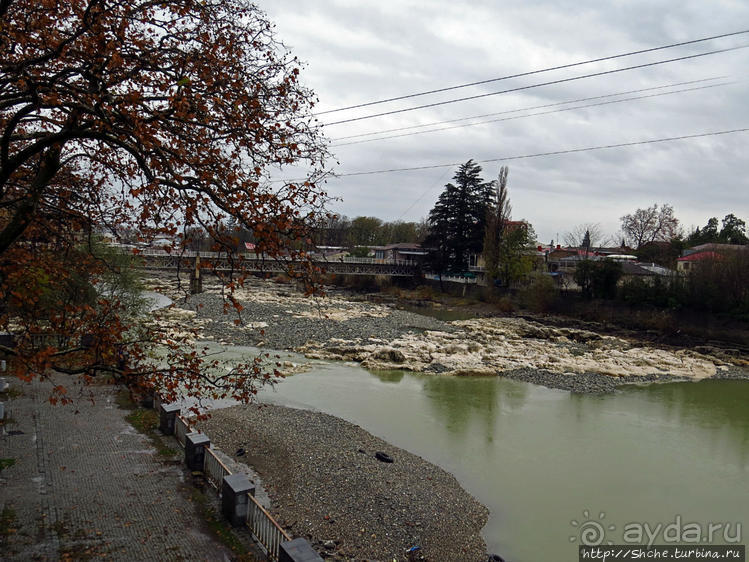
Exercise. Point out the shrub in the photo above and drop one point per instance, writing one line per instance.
(425, 292)
(505, 305)
(541, 294)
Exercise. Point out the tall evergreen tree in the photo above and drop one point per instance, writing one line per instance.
(438, 239)
(733, 231)
(458, 220)
(496, 226)
(586, 241)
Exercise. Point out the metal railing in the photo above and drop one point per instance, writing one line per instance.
(178, 253)
(264, 528)
(452, 278)
(181, 428)
(214, 469)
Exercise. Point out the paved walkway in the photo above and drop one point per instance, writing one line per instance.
(87, 485)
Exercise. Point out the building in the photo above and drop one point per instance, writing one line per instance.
(712, 251)
(406, 252)
(645, 271)
(688, 262)
(714, 247)
(567, 258)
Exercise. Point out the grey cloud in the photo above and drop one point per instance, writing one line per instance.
(359, 52)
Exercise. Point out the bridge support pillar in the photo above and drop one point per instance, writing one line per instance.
(196, 281)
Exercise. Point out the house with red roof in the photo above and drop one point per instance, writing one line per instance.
(706, 252)
(686, 263)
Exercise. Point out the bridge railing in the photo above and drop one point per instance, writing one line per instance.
(188, 254)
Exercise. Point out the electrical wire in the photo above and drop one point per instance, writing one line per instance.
(533, 114)
(434, 123)
(541, 154)
(532, 72)
(427, 190)
(538, 85)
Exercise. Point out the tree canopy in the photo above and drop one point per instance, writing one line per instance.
(733, 231)
(334, 230)
(458, 220)
(598, 278)
(508, 245)
(499, 215)
(146, 117)
(656, 223)
(590, 232)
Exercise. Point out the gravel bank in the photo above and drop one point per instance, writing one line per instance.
(275, 316)
(593, 383)
(327, 486)
(290, 322)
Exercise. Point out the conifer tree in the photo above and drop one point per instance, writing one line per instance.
(458, 220)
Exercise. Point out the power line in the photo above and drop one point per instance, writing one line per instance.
(540, 154)
(522, 74)
(434, 123)
(549, 83)
(534, 114)
(427, 190)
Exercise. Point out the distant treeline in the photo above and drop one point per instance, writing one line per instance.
(366, 232)
(334, 230)
(666, 252)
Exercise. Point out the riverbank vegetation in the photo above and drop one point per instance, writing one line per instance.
(649, 312)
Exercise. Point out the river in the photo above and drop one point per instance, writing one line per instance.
(548, 463)
(551, 465)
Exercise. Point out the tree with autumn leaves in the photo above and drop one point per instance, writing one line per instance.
(148, 117)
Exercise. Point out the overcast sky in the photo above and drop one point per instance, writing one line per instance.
(357, 51)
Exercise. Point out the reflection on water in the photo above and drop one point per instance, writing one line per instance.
(706, 404)
(539, 457)
(472, 403)
(389, 376)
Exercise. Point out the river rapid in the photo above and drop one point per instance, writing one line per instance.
(385, 337)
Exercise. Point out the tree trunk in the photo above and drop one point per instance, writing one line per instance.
(24, 215)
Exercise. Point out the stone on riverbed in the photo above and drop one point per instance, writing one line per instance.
(389, 355)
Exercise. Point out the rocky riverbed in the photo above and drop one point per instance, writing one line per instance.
(327, 485)
(384, 337)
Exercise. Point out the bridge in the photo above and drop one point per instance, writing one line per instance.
(248, 261)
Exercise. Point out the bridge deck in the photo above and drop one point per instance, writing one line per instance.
(260, 264)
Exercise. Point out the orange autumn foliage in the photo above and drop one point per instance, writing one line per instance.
(148, 117)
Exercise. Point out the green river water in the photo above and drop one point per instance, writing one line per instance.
(549, 464)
